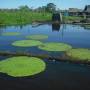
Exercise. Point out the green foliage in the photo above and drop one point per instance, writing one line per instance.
(26, 43)
(24, 8)
(37, 37)
(51, 7)
(22, 17)
(22, 66)
(81, 54)
(55, 47)
(72, 18)
(10, 33)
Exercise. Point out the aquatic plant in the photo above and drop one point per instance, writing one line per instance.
(55, 46)
(22, 66)
(87, 26)
(81, 54)
(10, 33)
(26, 43)
(37, 37)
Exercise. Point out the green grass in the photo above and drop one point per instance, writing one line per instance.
(20, 17)
(26, 43)
(10, 33)
(37, 37)
(22, 66)
(79, 54)
(72, 18)
(55, 46)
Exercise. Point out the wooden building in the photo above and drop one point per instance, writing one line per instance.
(87, 11)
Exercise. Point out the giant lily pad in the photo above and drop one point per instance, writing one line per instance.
(37, 37)
(55, 47)
(26, 43)
(11, 33)
(22, 66)
(81, 54)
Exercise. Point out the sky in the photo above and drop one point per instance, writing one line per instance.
(62, 4)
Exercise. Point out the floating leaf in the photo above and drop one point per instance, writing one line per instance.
(55, 47)
(37, 37)
(81, 54)
(27, 43)
(11, 33)
(22, 66)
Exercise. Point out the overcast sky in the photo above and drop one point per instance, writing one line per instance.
(62, 4)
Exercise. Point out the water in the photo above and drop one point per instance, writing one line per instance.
(58, 75)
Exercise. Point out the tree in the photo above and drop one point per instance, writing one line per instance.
(51, 7)
(41, 9)
(24, 8)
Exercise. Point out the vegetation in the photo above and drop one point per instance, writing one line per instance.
(72, 18)
(26, 43)
(10, 33)
(51, 7)
(22, 17)
(55, 47)
(22, 66)
(37, 37)
(26, 15)
(79, 54)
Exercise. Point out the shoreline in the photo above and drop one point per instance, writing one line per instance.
(44, 22)
(62, 58)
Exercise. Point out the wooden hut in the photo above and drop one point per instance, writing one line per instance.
(86, 13)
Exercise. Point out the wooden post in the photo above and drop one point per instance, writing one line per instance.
(84, 15)
(61, 17)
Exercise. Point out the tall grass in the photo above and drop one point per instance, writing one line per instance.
(22, 17)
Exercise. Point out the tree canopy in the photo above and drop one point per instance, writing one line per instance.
(51, 7)
(24, 8)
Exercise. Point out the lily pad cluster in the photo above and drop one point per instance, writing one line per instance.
(55, 46)
(11, 33)
(26, 43)
(79, 54)
(37, 37)
(22, 66)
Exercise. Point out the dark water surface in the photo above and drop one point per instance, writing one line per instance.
(58, 75)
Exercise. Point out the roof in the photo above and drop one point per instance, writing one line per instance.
(74, 10)
(87, 8)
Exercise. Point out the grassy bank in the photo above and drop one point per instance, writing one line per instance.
(27, 17)
(72, 18)
(22, 17)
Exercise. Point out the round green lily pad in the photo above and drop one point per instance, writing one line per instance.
(37, 37)
(11, 33)
(22, 66)
(27, 43)
(55, 47)
(81, 54)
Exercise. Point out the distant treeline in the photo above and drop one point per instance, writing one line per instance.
(25, 15)
(50, 7)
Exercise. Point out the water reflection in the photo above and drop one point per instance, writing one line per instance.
(3, 27)
(86, 27)
(56, 27)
